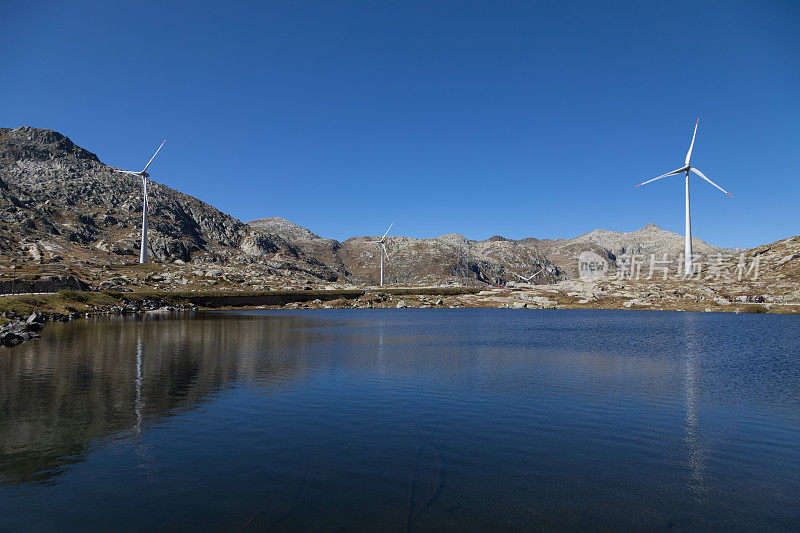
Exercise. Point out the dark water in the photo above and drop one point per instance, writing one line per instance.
(404, 420)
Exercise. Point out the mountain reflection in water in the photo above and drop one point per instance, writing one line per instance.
(96, 378)
(403, 420)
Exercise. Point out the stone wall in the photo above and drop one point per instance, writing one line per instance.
(45, 284)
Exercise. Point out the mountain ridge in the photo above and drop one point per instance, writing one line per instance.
(60, 203)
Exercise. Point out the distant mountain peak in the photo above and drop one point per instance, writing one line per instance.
(40, 144)
(496, 238)
(455, 239)
(281, 226)
(651, 227)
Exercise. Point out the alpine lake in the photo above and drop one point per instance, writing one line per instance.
(403, 420)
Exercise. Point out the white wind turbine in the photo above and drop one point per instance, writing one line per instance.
(689, 267)
(145, 205)
(382, 243)
(529, 278)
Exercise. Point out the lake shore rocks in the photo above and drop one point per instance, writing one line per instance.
(20, 330)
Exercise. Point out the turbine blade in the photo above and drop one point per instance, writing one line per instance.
(691, 146)
(154, 156)
(387, 231)
(708, 180)
(676, 171)
(127, 172)
(386, 253)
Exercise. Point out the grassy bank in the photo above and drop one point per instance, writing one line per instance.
(65, 302)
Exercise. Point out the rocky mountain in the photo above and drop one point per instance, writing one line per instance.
(447, 259)
(61, 201)
(59, 204)
(613, 244)
(779, 260)
(301, 243)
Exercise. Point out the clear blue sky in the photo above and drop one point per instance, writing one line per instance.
(482, 118)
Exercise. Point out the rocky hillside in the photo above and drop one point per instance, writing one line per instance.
(299, 242)
(779, 260)
(59, 201)
(613, 244)
(446, 259)
(61, 206)
(450, 258)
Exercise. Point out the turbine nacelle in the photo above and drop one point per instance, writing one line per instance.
(143, 173)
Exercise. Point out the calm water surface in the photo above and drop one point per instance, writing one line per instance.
(404, 420)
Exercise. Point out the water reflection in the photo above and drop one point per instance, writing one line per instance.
(694, 438)
(380, 348)
(91, 380)
(146, 460)
(426, 420)
(139, 406)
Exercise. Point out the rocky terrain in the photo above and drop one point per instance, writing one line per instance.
(69, 222)
(21, 330)
(60, 201)
(60, 205)
(650, 240)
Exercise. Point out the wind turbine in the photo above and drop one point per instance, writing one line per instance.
(382, 243)
(145, 205)
(529, 278)
(689, 267)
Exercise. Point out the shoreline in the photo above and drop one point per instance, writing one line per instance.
(23, 316)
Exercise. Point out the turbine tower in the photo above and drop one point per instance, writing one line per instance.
(145, 205)
(689, 266)
(382, 252)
